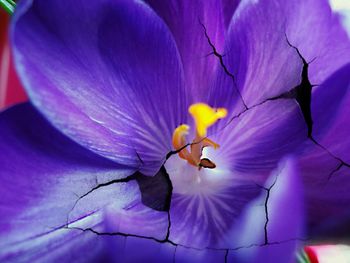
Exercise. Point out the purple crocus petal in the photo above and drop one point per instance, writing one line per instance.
(323, 159)
(133, 249)
(123, 249)
(327, 196)
(53, 191)
(188, 20)
(270, 227)
(188, 255)
(257, 55)
(57, 245)
(331, 122)
(264, 64)
(248, 151)
(328, 48)
(204, 206)
(333, 216)
(257, 140)
(111, 77)
(262, 135)
(120, 213)
(229, 7)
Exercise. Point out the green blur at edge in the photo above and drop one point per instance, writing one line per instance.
(302, 257)
(8, 6)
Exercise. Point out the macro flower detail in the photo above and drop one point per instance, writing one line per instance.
(204, 117)
(175, 131)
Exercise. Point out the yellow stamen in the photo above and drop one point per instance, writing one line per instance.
(179, 140)
(179, 136)
(205, 116)
(207, 142)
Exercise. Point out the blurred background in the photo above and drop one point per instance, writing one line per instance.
(11, 91)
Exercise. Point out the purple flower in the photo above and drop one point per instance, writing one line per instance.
(117, 157)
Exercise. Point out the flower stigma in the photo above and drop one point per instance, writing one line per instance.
(204, 116)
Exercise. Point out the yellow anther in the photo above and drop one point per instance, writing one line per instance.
(207, 142)
(205, 116)
(179, 141)
(179, 136)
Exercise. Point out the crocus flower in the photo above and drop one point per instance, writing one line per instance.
(163, 131)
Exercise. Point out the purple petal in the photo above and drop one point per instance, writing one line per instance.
(205, 203)
(44, 181)
(331, 122)
(248, 151)
(107, 74)
(328, 46)
(271, 226)
(57, 246)
(327, 196)
(255, 141)
(257, 55)
(188, 20)
(131, 250)
(264, 65)
(324, 162)
(229, 7)
(188, 255)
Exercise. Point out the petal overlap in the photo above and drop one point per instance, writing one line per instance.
(108, 75)
(189, 22)
(45, 178)
(114, 78)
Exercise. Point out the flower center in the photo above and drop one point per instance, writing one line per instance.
(204, 116)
